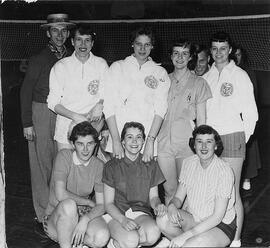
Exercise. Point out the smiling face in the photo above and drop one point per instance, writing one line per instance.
(202, 63)
(220, 52)
(133, 142)
(205, 146)
(58, 34)
(180, 57)
(84, 147)
(82, 45)
(142, 46)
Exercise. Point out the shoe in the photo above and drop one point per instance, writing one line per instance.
(110, 244)
(236, 243)
(38, 229)
(163, 243)
(246, 185)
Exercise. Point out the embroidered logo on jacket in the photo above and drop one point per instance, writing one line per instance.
(93, 87)
(226, 89)
(151, 82)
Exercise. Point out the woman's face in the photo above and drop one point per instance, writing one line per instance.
(220, 52)
(133, 142)
(238, 55)
(180, 57)
(142, 46)
(205, 146)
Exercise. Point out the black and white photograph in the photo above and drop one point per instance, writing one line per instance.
(134, 123)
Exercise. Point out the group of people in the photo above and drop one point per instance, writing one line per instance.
(186, 131)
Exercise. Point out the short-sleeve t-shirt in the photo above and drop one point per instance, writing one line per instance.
(132, 181)
(80, 179)
(204, 185)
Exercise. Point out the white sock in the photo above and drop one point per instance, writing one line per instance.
(236, 243)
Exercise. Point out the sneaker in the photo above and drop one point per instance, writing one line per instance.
(246, 185)
(236, 243)
(163, 243)
(38, 229)
(110, 244)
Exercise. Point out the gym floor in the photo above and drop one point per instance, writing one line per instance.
(20, 225)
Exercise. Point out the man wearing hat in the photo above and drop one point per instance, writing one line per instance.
(38, 121)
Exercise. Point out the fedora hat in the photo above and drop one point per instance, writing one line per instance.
(57, 19)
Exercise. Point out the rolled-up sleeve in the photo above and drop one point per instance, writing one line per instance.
(160, 101)
(56, 85)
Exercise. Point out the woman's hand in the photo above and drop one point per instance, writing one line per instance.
(160, 210)
(178, 241)
(79, 231)
(95, 113)
(118, 150)
(129, 224)
(174, 215)
(148, 152)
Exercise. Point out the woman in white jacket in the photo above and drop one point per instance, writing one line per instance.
(136, 90)
(232, 111)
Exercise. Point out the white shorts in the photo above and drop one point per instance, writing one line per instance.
(129, 214)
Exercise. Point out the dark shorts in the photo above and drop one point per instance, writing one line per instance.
(228, 229)
(234, 145)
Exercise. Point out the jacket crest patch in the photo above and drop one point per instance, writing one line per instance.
(93, 87)
(226, 89)
(151, 82)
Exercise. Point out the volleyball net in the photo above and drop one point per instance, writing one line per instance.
(22, 39)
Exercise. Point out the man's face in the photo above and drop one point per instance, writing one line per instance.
(84, 147)
(82, 45)
(220, 52)
(58, 34)
(202, 64)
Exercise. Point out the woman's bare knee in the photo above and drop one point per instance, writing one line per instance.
(152, 235)
(98, 239)
(67, 208)
(131, 240)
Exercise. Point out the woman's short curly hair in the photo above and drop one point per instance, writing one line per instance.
(83, 129)
(205, 129)
(134, 125)
(185, 43)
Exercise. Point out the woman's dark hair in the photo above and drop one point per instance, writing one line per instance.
(244, 56)
(202, 48)
(83, 29)
(144, 30)
(83, 129)
(221, 37)
(205, 129)
(192, 50)
(134, 125)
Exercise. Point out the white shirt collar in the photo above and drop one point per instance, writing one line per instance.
(76, 160)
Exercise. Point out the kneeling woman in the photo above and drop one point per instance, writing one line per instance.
(130, 191)
(207, 182)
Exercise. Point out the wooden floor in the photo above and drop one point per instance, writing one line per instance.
(19, 210)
